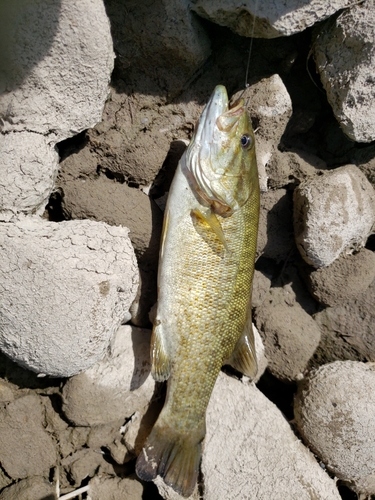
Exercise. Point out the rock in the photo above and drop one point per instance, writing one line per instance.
(66, 288)
(261, 286)
(270, 108)
(87, 198)
(348, 330)
(27, 172)
(129, 207)
(173, 45)
(5, 480)
(26, 449)
(272, 19)
(32, 488)
(333, 214)
(116, 387)
(275, 236)
(114, 488)
(82, 464)
(335, 413)
(56, 64)
(257, 457)
(345, 58)
(6, 392)
(290, 168)
(344, 280)
(289, 333)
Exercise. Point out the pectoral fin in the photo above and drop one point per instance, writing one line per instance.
(243, 357)
(211, 220)
(161, 368)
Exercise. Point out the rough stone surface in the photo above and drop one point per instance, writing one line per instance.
(345, 58)
(348, 330)
(21, 433)
(257, 457)
(32, 488)
(114, 488)
(335, 413)
(65, 288)
(117, 386)
(344, 280)
(164, 36)
(270, 107)
(333, 214)
(275, 235)
(289, 333)
(28, 169)
(261, 286)
(84, 197)
(272, 19)
(57, 59)
(291, 168)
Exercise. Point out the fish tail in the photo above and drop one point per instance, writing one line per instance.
(172, 456)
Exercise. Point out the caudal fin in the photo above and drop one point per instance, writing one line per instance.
(173, 457)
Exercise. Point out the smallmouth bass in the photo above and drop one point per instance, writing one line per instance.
(206, 267)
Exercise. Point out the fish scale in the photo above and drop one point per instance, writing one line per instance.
(205, 276)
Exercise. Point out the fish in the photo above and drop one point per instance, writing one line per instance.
(206, 265)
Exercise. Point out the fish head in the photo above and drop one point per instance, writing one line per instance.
(220, 160)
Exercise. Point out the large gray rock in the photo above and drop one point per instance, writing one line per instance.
(345, 57)
(251, 452)
(289, 333)
(348, 329)
(333, 214)
(55, 66)
(28, 169)
(272, 19)
(32, 488)
(335, 413)
(271, 106)
(26, 449)
(117, 386)
(65, 290)
(346, 279)
(56, 63)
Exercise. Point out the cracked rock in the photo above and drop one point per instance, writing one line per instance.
(21, 433)
(289, 333)
(272, 19)
(335, 413)
(345, 58)
(28, 169)
(333, 213)
(259, 456)
(46, 270)
(116, 387)
(56, 63)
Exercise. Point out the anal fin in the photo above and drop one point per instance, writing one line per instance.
(211, 220)
(243, 358)
(161, 366)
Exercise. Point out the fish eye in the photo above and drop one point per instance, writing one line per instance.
(246, 141)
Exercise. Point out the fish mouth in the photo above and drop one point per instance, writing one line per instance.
(209, 152)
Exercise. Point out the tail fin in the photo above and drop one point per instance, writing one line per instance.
(172, 456)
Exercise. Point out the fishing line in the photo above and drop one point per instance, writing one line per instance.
(250, 49)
